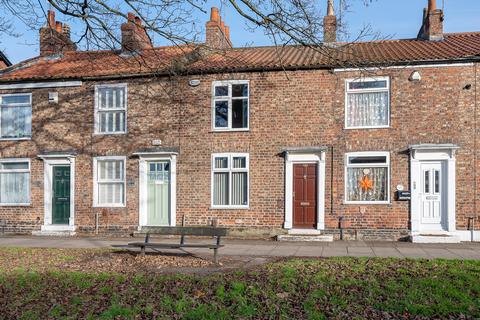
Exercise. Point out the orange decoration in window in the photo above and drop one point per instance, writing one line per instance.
(366, 183)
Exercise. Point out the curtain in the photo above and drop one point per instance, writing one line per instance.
(220, 188)
(14, 187)
(378, 192)
(367, 109)
(239, 188)
(111, 192)
(16, 122)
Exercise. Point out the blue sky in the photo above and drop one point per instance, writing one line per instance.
(393, 19)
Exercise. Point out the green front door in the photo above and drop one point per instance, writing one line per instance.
(61, 195)
(158, 193)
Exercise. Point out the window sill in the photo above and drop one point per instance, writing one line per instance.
(15, 139)
(367, 127)
(363, 203)
(109, 133)
(109, 206)
(230, 130)
(230, 208)
(15, 204)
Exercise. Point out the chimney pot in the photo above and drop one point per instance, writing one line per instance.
(432, 5)
(214, 15)
(51, 19)
(134, 35)
(58, 27)
(227, 32)
(131, 17)
(330, 9)
(138, 21)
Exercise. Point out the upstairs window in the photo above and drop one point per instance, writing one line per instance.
(111, 109)
(230, 105)
(367, 103)
(229, 180)
(16, 116)
(367, 177)
(15, 182)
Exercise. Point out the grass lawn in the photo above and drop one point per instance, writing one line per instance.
(343, 288)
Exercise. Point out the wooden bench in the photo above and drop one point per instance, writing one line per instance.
(214, 232)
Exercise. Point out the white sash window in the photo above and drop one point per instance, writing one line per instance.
(367, 103)
(109, 181)
(367, 177)
(111, 109)
(16, 116)
(15, 182)
(230, 180)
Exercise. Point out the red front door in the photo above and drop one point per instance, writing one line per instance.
(305, 196)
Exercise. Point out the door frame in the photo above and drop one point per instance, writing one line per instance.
(142, 188)
(444, 153)
(302, 156)
(49, 162)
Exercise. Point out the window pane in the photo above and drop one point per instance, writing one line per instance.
(15, 187)
(367, 109)
(427, 182)
(16, 122)
(111, 98)
(437, 181)
(16, 99)
(360, 160)
(221, 91)
(14, 165)
(240, 113)
(239, 162)
(240, 90)
(221, 114)
(239, 188)
(110, 169)
(367, 184)
(221, 162)
(367, 85)
(110, 193)
(220, 188)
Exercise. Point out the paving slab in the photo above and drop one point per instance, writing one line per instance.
(265, 248)
(360, 252)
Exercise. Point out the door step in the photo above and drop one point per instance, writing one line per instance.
(304, 238)
(435, 238)
(46, 233)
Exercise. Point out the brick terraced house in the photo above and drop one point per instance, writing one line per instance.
(368, 140)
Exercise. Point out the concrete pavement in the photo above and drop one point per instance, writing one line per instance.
(264, 248)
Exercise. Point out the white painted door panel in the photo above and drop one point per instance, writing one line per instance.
(432, 195)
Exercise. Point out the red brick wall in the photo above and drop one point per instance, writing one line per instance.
(287, 109)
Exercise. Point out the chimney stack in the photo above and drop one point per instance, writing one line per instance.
(330, 24)
(55, 37)
(432, 27)
(134, 35)
(217, 33)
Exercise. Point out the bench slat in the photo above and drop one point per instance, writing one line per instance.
(173, 245)
(186, 231)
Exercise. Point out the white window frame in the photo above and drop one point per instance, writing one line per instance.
(347, 91)
(230, 170)
(16, 160)
(97, 110)
(229, 83)
(362, 165)
(19, 104)
(96, 204)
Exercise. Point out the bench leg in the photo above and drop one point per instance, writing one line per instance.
(142, 251)
(215, 255)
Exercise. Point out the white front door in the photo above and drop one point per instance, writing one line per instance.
(432, 196)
